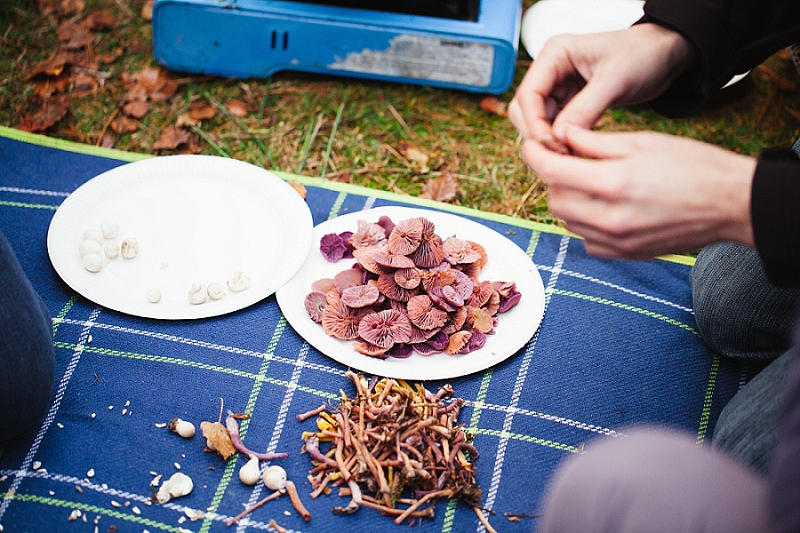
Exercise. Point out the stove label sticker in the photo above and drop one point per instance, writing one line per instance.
(425, 58)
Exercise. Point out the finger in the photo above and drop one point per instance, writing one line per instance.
(517, 118)
(588, 105)
(600, 145)
(537, 91)
(556, 169)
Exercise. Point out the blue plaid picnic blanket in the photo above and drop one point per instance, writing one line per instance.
(617, 347)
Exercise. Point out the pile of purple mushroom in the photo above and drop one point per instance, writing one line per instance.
(409, 291)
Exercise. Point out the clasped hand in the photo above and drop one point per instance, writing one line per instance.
(632, 194)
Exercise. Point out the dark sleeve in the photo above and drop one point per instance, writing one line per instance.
(776, 215)
(784, 480)
(730, 36)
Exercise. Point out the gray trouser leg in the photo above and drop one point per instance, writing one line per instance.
(654, 481)
(739, 312)
(741, 315)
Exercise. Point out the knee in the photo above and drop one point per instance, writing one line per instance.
(738, 312)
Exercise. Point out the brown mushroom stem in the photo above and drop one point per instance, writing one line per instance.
(394, 439)
(309, 414)
(229, 522)
(291, 490)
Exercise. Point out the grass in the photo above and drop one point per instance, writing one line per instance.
(350, 130)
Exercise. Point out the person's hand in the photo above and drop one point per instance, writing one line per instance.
(641, 194)
(576, 77)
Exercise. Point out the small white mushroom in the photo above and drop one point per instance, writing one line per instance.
(197, 294)
(182, 427)
(239, 282)
(250, 472)
(109, 228)
(179, 484)
(92, 262)
(130, 247)
(111, 250)
(153, 295)
(89, 246)
(215, 290)
(275, 477)
(93, 235)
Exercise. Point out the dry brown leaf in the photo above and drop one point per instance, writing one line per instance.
(147, 10)
(49, 86)
(70, 7)
(107, 59)
(237, 108)
(107, 141)
(47, 6)
(149, 83)
(63, 8)
(493, 105)
(171, 138)
(136, 109)
(52, 66)
(188, 148)
(74, 35)
(48, 114)
(217, 435)
(85, 82)
(441, 188)
(202, 110)
(412, 153)
(124, 125)
(184, 121)
(100, 21)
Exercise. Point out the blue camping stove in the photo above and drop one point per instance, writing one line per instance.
(467, 44)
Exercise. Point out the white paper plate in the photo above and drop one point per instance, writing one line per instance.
(197, 219)
(507, 262)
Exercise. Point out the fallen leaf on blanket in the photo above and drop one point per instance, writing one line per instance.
(299, 187)
(441, 188)
(48, 114)
(218, 438)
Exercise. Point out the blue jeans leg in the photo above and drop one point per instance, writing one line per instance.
(27, 361)
(740, 314)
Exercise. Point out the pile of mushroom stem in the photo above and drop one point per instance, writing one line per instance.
(390, 441)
